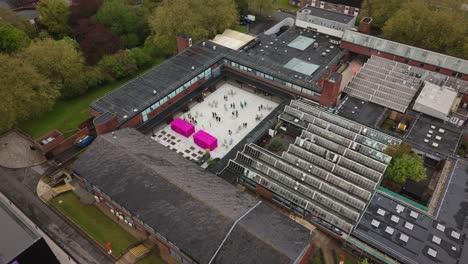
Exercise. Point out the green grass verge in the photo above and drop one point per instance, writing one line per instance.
(284, 4)
(91, 220)
(241, 28)
(152, 258)
(66, 115)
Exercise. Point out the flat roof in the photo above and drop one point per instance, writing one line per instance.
(172, 195)
(361, 111)
(268, 54)
(453, 208)
(406, 51)
(415, 234)
(16, 235)
(435, 97)
(420, 130)
(328, 14)
(233, 39)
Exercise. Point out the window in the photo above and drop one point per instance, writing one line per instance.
(268, 77)
(288, 84)
(175, 255)
(406, 61)
(437, 69)
(421, 65)
(456, 74)
(261, 74)
(297, 87)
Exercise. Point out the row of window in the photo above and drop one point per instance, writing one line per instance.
(270, 78)
(205, 74)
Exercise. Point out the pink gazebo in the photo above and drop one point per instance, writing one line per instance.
(205, 140)
(182, 127)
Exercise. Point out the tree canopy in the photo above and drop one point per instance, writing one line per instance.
(61, 62)
(54, 14)
(261, 7)
(81, 9)
(12, 39)
(95, 39)
(197, 18)
(405, 165)
(129, 22)
(10, 17)
(419, 23)
(25, 93)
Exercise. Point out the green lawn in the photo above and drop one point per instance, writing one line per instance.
(241, 28)
(94, 222)
(284, 4)
(152, 258)
(66, 115)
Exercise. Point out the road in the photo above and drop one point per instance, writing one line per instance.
(19, 186)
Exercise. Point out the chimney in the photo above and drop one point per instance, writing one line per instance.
(331, 90)
(184, 42)
(365, 25)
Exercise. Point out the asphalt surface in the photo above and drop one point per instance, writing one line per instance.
(20, 186)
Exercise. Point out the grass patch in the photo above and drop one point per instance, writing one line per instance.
(284, 4)
(152, 258)
(67, 114)
(241, 28)
(94, 222)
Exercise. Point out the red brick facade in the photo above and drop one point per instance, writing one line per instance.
(331, 90)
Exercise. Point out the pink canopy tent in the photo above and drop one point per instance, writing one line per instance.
(182, 127)
(205, 140)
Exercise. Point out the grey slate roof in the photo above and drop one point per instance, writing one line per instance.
(192, 208)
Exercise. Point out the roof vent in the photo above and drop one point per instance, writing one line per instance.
(214, 47)
(125, 116)
(135, 110)
(193, 68)
(203, 43)
(324, 54)
(155, 92)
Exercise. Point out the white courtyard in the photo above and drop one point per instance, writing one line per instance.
(228, 128)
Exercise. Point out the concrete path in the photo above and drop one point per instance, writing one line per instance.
(15, 151)
(19, 186)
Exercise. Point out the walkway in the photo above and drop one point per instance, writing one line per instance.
(15, 151)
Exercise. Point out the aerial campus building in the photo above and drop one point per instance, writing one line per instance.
(293, 79)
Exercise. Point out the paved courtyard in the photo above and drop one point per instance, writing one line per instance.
(229, 130)
(15, 151)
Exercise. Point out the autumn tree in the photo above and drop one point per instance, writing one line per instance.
(25, 93)
(61, 62)
(198, 18)
(12, 39)
(54, 14)
(95, 39)
(81, 9)
(129, 22)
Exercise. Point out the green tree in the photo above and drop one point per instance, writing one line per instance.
(406, 166)
(12, 39)
(242, 7)
(141, 57)
(398, 150)
(25, 93)
(118, 65)
(129, 22)
(364, 261)
(380, 10)
(62, 63)
(198, 18)
(261, 7)
(410, 25)
(10, 17)
(54, 15)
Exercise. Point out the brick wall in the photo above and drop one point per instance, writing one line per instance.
(69, 142)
